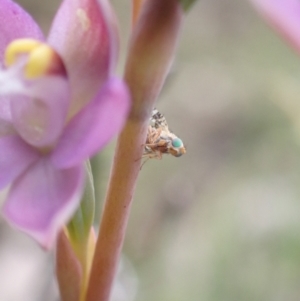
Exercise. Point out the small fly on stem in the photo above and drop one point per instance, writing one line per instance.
(160, 140)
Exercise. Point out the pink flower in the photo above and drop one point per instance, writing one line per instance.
(59, 105)
(284, 15)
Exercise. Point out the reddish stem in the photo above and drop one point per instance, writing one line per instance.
(152, 48)
(136, 7)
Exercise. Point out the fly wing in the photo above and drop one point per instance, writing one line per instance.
(158, 120)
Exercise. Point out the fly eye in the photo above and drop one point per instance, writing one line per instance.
(177, 143)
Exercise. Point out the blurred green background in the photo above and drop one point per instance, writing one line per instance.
(221, 222)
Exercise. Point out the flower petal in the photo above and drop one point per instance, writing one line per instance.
(15, 157)
(284, 15)
(5, 113)
(94, 126)
(42, 199)
(40, 116)
(84, 34)
(15, 23)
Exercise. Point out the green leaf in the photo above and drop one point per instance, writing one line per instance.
(82, 221)
(186, 4)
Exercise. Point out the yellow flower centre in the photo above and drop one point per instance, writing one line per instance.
(41, 59)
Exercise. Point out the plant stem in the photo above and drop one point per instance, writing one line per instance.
(136, 6)
(116, 211)
(151, 52)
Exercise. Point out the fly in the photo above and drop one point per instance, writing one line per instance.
(160, 140)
